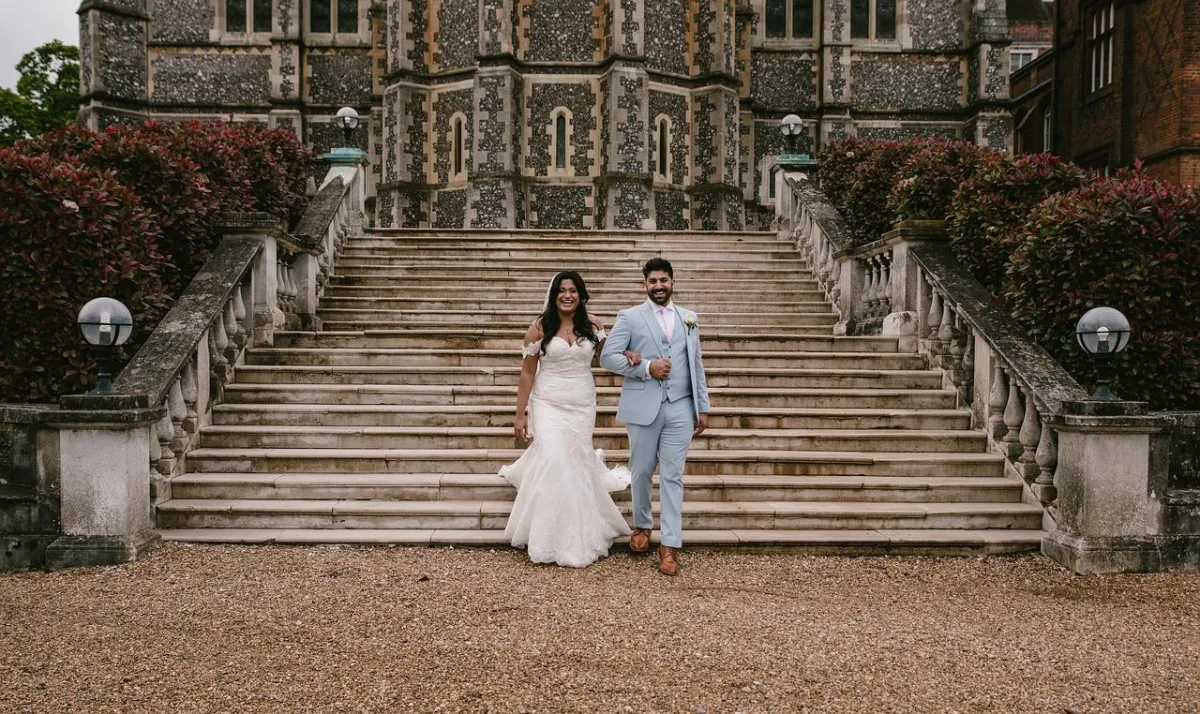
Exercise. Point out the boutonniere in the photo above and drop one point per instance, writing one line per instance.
(690, 321)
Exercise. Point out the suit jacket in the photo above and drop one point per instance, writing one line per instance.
(637, 329)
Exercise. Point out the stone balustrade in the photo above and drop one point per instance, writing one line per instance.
(98, 464)
(1117, 483)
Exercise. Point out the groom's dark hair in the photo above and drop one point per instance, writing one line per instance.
(658, 264)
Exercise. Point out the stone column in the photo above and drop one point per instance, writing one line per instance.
(626, 184)
(493, 198)
(113, 62)
(716, 138)
(1110, 481)
(835, 63)
(987, 88)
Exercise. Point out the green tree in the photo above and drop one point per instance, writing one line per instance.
(47, 93)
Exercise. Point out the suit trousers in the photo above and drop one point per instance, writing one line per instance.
(664, 443)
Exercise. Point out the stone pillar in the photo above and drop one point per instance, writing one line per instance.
(103, 465)
(626, 184)
(493, 199)
(716, 136)
(987, 81)
(835, 72)
(905, 275)
(113, 67)
(1110, 480)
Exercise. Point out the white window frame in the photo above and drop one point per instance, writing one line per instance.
(788, 24)
(1014, 54)
(1101, 24)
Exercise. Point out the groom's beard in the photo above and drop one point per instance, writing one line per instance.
(662, 298)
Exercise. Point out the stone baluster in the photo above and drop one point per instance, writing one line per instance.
(923, 309)
(868, 292)
(1014, 417)
(239, 317)
(934, 320)
(826, 260)
(997, 399)
(834, 293)
(1030, 436)
(165, 431)
(885, 280)
(191, 392)
(178, 411)
(231, 326)
(968, 365)
(1047, 461)
(289, 276)
(217, 342)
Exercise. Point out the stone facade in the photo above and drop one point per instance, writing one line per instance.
(561, 113)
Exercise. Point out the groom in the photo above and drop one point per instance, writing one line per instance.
(664, 403)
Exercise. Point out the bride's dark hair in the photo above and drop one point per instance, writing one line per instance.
(550, 319)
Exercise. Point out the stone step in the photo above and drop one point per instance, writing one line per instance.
(957, 542)
(746, 294)
(575, 255)
(507, 357)
(502, 415)
(510, 374)
(491, 515)
(716, 340)
(433, 394)
(627, 288)
(624, 275)
(518, 329)
(608, 438)
(490, 487)
(533, 305)
(496, 319)
(700, 461)
(510, 236)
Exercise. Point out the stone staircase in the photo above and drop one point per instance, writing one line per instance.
(390, 424)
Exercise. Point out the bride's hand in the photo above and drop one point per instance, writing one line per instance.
(521, 428)
(633, 358)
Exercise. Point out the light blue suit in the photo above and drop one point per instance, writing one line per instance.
(659, 414)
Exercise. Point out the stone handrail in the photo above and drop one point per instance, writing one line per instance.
(106, 460)
(819, 232)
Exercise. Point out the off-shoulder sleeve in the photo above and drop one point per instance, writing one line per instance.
(601, 334)
(531, 350)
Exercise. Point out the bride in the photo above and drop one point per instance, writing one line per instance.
(563, 512)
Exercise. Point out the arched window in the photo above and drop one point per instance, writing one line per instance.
(560, 142)
(458, 145)
(663, 148)
(771, 182)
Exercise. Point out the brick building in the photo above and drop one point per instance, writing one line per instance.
(1127, 85)
(1031, 27)
(560, 113)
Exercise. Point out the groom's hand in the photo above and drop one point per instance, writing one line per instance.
(660, 368)
(701, 425)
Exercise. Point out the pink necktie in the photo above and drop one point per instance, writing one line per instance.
(666, 322)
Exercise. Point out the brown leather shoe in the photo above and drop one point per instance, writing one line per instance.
(668, 560)
(639, 540)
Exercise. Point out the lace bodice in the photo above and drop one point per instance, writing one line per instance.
(563, 359)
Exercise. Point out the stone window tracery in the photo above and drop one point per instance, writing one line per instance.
(789, 18)
(873, 19)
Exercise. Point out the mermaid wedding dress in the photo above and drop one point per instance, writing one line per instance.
(563, 512)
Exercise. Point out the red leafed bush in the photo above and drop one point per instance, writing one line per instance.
(988, 211)
(1130, 243)
(67, 234)
(221, 160)
(924, 185)
(857, 175)
(280, 169)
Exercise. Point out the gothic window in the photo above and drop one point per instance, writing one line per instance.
(347, 16)
(320, 16)
(662, 159)
(771, 182)
(458, 141)
(561, 138)
(789, 18)
(873, 19)
(241, 14)
(1099, 27)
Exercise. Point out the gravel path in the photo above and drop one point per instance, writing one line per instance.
(287, 629)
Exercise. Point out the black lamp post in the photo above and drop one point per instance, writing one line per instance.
(106, 325)
(347, 119)
(1102, 332)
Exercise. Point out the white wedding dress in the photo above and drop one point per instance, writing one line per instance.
(563, 512)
